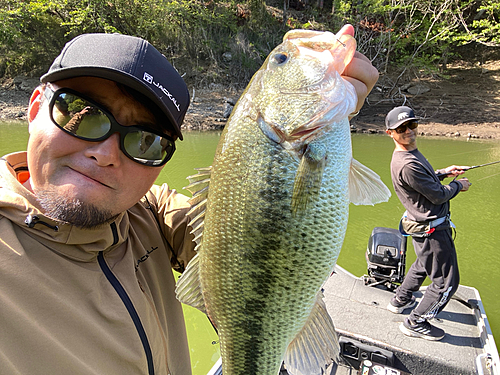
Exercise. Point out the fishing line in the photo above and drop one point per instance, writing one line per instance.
(493, 175)
(473, 151)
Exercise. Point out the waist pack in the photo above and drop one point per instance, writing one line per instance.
(413, 228)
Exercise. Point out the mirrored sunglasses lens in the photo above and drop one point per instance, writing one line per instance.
(79, 117)
(148, 148)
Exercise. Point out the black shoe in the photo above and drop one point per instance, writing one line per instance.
(397, 307)
(423, 330)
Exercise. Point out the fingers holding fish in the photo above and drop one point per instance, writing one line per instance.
(361, 73)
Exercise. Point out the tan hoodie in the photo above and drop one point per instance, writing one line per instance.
(75, 301)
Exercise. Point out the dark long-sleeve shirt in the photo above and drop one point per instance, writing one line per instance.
(418, 188)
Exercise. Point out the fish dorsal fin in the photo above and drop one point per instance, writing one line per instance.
(365, 186)
(308, 177)
(199, 184)
(188, 288)
(315, 346)
(199, 181)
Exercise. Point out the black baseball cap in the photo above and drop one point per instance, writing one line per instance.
(398, 116)
(127, 60)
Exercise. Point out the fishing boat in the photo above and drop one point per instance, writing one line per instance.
(370, 340)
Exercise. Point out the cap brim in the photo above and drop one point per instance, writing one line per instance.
(116, 76)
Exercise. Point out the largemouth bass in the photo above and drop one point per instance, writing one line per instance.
(271, 213)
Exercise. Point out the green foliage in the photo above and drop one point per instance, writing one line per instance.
(212, 40)
(485, 26)
(421, 33)
(27, 34)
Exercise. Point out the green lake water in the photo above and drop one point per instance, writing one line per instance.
(475, 213)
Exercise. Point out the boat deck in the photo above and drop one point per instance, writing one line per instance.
(365, 326)
(371, 342)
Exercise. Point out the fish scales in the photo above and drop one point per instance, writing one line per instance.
(277, 211)
(261, 258)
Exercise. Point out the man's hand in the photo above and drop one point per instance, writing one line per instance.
(465, 184)
(455, 170)
(359, 72)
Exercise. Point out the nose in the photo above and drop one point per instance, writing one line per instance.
(107, 152)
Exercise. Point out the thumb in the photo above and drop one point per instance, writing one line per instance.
(346, 29)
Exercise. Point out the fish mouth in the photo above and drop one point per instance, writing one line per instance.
(297, 111)
(322, 87)
(298, 125)
(341, 48)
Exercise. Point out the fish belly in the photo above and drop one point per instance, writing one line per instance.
(261, 267)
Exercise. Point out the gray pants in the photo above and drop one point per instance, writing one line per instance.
(437, 259)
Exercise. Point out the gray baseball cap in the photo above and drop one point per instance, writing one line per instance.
(127, 60)
(398, 116)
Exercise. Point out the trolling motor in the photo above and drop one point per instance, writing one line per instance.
(386, 258)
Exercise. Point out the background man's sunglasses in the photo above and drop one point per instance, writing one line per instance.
(401, 129)
(83, 118)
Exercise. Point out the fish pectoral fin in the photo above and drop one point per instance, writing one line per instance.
(188, 288)
(308, 178)
(365, 186)
(315, 346)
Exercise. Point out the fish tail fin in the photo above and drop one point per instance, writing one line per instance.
(365, 186)
(315, 346)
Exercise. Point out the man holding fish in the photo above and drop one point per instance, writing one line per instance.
(86, 238)
(427, 220)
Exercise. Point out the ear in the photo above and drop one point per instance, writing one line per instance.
(34, 105)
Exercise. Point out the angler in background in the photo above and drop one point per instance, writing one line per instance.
(427, 220)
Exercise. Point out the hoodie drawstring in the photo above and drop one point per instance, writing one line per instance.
(32, 220)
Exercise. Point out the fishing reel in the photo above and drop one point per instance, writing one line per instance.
(386, 258)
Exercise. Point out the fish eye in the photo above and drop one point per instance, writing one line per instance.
(280, 58)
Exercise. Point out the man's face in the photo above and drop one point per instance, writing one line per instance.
(404, 136)
(93, 179)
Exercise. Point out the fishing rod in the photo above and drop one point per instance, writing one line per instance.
(474, 166)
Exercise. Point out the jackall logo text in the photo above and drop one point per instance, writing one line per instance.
(149, 79)
(144, 257)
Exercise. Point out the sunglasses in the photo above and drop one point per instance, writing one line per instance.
(402, 129)
(83, 118)
(409, 125)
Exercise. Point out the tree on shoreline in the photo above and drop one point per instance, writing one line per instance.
(216, 41)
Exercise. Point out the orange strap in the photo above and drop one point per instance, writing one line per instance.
(23, 176)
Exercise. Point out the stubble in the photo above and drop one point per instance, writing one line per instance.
(73, 211)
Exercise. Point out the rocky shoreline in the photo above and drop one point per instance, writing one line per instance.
(210, 108)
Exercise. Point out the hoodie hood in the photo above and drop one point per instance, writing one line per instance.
(21, 207)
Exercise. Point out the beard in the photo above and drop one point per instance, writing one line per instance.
(73, 211)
